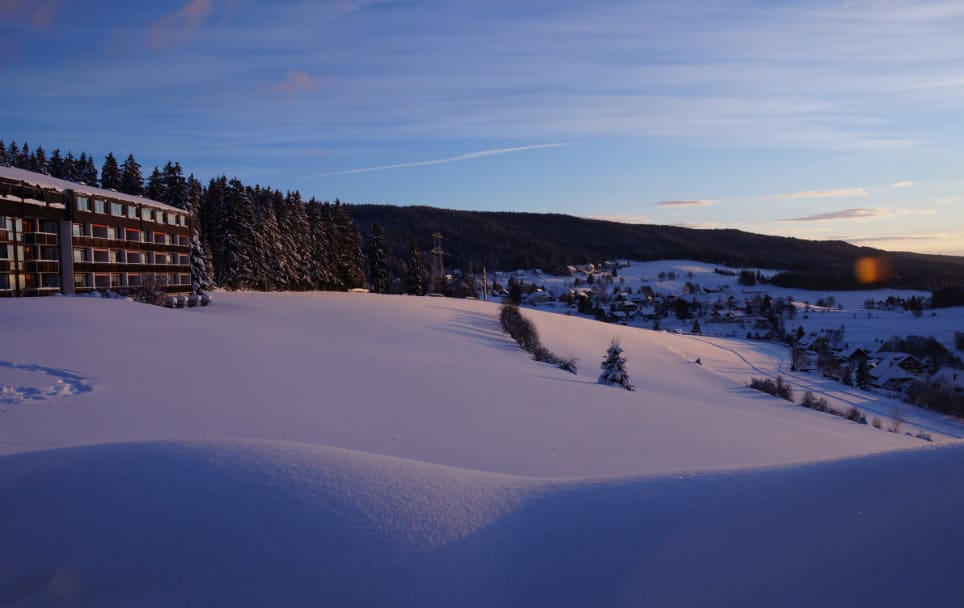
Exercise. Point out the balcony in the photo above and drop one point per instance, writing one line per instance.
(41, 266)
(40, 238)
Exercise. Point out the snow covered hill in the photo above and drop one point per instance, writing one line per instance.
(354, 449)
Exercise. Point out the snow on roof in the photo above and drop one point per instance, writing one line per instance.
(888, 368)
(949, 376)
(46, 181)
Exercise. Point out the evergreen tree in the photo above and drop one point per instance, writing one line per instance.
(155, 185)
(614, 367)
(319, 252)
(132, 181)
(38, 162)
(55, 166)
(415, 277)
(381, 279)
(349, 258)
(200, 265)
(13, 156)
(173, 188)
(86, 170)
(110, 173)
(862, 374)
(4, 156)
(71, 173)
(697, 330)
(23, 159)
(239, 236)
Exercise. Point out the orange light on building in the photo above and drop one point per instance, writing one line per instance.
(872, 270)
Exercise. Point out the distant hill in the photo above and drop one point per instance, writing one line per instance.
(507, 240)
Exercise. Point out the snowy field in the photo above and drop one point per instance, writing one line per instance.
(353, 449)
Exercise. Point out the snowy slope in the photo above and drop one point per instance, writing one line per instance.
(353, 449)
(423, 378)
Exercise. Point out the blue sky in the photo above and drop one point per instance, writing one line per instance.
(829, 120)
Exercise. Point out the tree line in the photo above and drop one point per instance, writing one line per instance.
(245, 237)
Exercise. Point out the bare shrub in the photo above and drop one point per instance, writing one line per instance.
(877, 424)
(896, 420)
(777, 388)
(151, 289)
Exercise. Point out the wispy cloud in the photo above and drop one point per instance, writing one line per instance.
(441, 161)
(904, 184)
(855, 214)
(38, 14)
(294, 83)
(698, 225)
(622, 219)
(838, 193)
(177, 28)
(693, 203)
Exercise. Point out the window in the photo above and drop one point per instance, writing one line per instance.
(6, 251)
(51, 226)
(4, 281)
(98, 206)
(83, 203)
(81, 255)
(115, 280)
(184, 260)
(82, 280)
(101, 280)
(160, 258)
(132, 212)
(160, 237)
(146, 214)
(50, 279)
(112, 233)
(182, 240)
(100, 256)
(133, 280)
(132, 235)
(49, 253)
(117, 209)
(185, 279)
(78, 229)
(99, 232)
(113, 256)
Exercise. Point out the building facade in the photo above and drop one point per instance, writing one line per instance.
(61, 237)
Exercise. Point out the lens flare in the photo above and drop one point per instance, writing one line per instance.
(872, 270)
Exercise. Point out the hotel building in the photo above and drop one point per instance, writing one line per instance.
(61, 237)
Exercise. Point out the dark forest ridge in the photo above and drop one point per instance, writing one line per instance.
(507, 240)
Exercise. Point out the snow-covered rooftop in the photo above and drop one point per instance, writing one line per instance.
(46, 181)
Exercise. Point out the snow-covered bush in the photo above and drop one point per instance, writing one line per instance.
(614, 367)
(524, 333)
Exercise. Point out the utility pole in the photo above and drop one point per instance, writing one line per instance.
(438, 264)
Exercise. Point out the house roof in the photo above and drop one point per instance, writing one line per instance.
(45, 181)
(949, 377)
(888, 368)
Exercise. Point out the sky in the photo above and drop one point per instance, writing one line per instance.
(825, 120)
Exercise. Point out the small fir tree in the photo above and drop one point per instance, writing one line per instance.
(697, 330)
(614, 367)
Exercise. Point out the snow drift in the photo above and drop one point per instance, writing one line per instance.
(229, 522)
